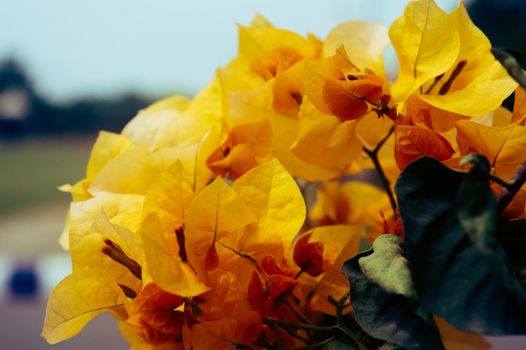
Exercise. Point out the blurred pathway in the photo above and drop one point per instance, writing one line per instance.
(29, 238)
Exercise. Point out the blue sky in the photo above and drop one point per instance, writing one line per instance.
(158, 47)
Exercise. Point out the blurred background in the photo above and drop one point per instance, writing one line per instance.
(70, 68)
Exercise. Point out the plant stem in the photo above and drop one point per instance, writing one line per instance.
(306, 327)
(295, 312)
(373, 154)
(506, 195)
(297, 336)
(319, 345)
(300, 272)
(499, 181)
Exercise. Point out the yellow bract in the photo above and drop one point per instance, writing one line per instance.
(503, 146)
(483, 83)
(76, 300)
(363, 42)
(165, 267)
(425, 44)
(273, 196)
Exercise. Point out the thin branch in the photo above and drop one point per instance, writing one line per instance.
(373, 154)
(319, 345)
(498, 180)
(303, 326)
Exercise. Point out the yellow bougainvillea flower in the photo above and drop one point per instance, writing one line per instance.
(503, 146)
(425, 44)
(519, 107)
(76, 300)
(154, 316)
(446, 61)
(350, 203)
(167, 266)
(270, 51)
(274, 197)
(335, 86)
(364, 44)
(215, 212)
(477, 83)
(275, 57)
(106, 221)
(247, 146)
(350, 96)
(338, 242)
(324, 139)
(106, 147)
(413, 142)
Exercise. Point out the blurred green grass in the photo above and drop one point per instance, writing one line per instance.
(31, 170)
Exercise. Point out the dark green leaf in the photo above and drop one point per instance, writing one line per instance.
(459, 268)
(336, 345)
(512, 235)
(387, 316)
(343, 335)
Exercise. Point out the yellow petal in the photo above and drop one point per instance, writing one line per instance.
(351, 203)
(168, 128)
(364, 42)
(64, 235)
(370, 129)
(482, 84)
(504, 146)
(249, 107)
(107, 147)
(285, 130)
(255, 42)
(168, 198)
(482, 95)
(455, 339)
(519, 107)
(86, 244)
(215, 212)
(324, 139)
(259, 21)
(138, 343)
(427, 44)
(123, 236)
(127, 173)
(76, 300)
(339, 242)
(136, 170)
(273, 195)
(166, 269)
(178, 103)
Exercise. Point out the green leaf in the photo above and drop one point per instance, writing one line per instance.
(459, 268)
(512, 235)
(387, 267)
(336, 345)
(385, 315)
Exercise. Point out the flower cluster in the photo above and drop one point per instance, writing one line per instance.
(222, 222)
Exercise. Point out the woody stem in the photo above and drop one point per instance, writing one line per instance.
(506, 195)
(303, 326)
(319, 345)
(373, 154)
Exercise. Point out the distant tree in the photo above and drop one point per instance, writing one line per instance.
(24, 112)
(20, 107)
